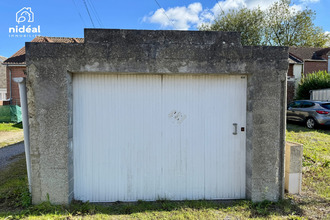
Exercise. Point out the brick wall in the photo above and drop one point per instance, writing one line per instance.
(314, 66)
(15, 72)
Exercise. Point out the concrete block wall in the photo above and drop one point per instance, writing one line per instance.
(50, 69)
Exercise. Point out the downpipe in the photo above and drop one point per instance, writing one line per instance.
(10, 95)
(22, 92)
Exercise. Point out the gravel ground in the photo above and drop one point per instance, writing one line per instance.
(8, 154)
(10, 137)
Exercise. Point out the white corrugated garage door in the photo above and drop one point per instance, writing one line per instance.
(149, 137)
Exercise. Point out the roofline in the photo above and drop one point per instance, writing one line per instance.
(312, 60)
(10, 64)
(296, 57)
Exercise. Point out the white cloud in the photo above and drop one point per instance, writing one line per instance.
(235, 4)
(226, 5)
(184, 18)
(181, 18)
(261, 3)
(297, 7)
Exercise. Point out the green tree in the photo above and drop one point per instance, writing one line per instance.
(286, 26)
(279, 25)
(248, 22)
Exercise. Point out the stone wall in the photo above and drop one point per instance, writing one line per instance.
(50, 68)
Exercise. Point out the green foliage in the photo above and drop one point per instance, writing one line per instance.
(313, 81)
(14, 192)
(262, 208)
(200, 209)
(279, 25)
(289, 27)
(244, 20)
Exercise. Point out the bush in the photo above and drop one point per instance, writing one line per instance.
(313, 81)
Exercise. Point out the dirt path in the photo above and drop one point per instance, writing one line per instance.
(10, 137)
(10, 154)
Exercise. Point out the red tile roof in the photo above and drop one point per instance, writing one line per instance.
(304, 53)
(19, 57)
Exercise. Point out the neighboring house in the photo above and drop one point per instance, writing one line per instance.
(302, 61)
(3, 89)
(16, 65)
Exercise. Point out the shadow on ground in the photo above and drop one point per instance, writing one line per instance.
(300, 127)
(18, 125)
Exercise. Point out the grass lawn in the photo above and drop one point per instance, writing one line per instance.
(11, 127)
(314, 203)
(10, 133)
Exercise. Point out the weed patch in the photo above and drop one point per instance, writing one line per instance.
(14, 191)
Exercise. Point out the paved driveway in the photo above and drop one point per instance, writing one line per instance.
(8, 154)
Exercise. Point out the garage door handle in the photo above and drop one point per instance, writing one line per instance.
(235, 129)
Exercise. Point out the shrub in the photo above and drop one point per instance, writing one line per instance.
(313, 81)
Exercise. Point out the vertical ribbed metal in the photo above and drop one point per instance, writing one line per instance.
(320, 95)
(149, 137)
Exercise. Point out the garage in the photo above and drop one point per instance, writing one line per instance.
(150, 137)
(132, 115)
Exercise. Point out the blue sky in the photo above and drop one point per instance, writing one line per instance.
(68, 18)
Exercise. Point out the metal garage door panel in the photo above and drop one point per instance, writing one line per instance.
(155, 137)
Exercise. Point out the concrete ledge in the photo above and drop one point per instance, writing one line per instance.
(293, 167)
(161, 37)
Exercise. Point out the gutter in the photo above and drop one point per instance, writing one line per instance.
(314, 60)
(19, 65)
(22, 92)
(282, 138)
(10, 77)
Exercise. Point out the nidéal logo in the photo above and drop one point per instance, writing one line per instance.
(23, 16)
